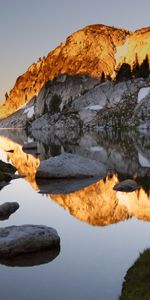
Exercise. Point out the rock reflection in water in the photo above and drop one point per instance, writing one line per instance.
(31, 259)
(63, 186)
(96, 204)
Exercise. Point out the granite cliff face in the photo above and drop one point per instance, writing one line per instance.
(80, 103)
(90, 51)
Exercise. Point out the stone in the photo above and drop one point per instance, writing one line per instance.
(127, 185)
(3, 184)
(17, 240)
(70, 166)
(8, 208)
(7, 168)
(32, 145)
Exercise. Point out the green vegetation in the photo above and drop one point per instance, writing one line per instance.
(54, 105)
(137, 280)
(124, 72)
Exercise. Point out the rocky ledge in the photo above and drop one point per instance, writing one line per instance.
(83, 103)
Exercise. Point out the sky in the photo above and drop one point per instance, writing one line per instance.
(29, 29)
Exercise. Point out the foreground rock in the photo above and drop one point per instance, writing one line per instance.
(31, 259)
(128, 185)
(3, 184)
(70, 166)
(7, 209)
(16, 240)
(7, 168)
(6, 173)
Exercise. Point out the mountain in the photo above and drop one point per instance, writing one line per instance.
(91, 51)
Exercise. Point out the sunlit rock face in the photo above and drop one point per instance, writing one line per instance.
(137, 43)
(89, 51)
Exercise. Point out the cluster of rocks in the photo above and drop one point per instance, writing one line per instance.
(27, 244)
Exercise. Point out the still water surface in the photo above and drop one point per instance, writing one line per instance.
(93, 258)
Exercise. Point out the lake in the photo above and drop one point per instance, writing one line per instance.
(102, 231)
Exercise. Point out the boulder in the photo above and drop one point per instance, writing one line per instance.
(8, 208)
(3, 184)
(17, 240)
(70, 166)
(127, 185)
(7, 168)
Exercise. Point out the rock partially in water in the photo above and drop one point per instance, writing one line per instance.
(8, 208)
(127, 185)
(30, 146)
(7, 168)
(6, 173)
(31, 259)
(3, 184)
(17, 240)
(70, 166)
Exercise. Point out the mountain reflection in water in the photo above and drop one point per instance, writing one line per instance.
(96, 203)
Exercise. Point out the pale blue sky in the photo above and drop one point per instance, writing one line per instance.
(31, 28)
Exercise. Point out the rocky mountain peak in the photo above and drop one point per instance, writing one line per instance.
(91, 51)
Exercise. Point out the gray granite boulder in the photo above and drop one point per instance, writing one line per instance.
(16, 240)
(70, 166)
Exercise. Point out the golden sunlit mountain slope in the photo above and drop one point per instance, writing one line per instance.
(91, 50)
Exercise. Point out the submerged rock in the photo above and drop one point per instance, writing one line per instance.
(7, 209)
(127, 185)
(16, 240)
(70, 166)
